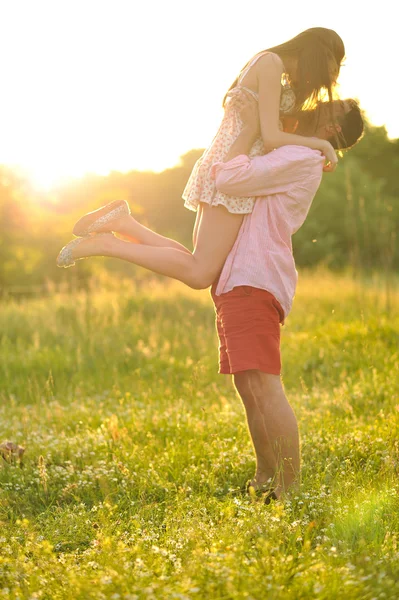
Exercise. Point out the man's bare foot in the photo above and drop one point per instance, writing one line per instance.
(263, 485)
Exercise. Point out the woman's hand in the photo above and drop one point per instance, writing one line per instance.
(249, 112)
(330, 155)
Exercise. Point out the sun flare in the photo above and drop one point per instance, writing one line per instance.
(84, 99)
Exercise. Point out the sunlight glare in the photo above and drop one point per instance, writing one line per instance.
(132, 94)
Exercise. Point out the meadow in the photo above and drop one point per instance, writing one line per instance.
(136, 449)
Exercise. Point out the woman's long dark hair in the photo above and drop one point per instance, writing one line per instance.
(314, 49)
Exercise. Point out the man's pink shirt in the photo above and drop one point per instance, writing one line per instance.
(285, 182)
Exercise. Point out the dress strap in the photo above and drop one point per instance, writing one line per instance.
(247, 89)
(251, 64)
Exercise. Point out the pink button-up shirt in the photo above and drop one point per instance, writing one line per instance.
(285, 182)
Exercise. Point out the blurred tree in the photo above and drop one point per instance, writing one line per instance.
(353, 220)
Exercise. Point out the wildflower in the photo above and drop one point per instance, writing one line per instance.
(43, 475)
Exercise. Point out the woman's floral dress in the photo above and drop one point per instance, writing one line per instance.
(200, 186)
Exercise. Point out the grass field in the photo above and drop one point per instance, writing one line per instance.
(135, 448)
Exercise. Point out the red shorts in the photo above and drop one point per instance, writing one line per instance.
(248, 324)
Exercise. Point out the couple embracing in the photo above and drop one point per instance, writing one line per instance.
(251, 190)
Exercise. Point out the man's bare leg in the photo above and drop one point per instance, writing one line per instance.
(273, 428)
(266, 464)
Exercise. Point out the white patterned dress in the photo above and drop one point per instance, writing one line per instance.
(200, 186)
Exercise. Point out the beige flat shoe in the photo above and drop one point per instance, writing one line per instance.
(65, 258)
(95, 220)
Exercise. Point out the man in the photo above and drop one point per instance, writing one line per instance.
(256, 287)
(257, 284)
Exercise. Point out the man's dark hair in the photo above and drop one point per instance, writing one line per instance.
(352, 128)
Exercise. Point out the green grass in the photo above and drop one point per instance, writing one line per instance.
(135, 447)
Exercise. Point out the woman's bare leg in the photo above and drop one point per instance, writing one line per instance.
(138, 233)
(197, 223)
(217, 233)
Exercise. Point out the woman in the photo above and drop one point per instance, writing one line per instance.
(283, 79)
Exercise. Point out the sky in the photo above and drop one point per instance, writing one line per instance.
(96, 86)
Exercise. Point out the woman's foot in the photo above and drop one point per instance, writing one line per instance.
(104, 219)
(93, 245)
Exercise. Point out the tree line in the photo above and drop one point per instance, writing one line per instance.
(353, 221)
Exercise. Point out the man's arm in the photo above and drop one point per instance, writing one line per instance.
(269, 174)
(265, 175)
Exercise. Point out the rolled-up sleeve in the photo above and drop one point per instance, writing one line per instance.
(265, 175)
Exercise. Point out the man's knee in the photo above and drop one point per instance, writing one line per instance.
(241, 383)
(243, 387)
(265, 387)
